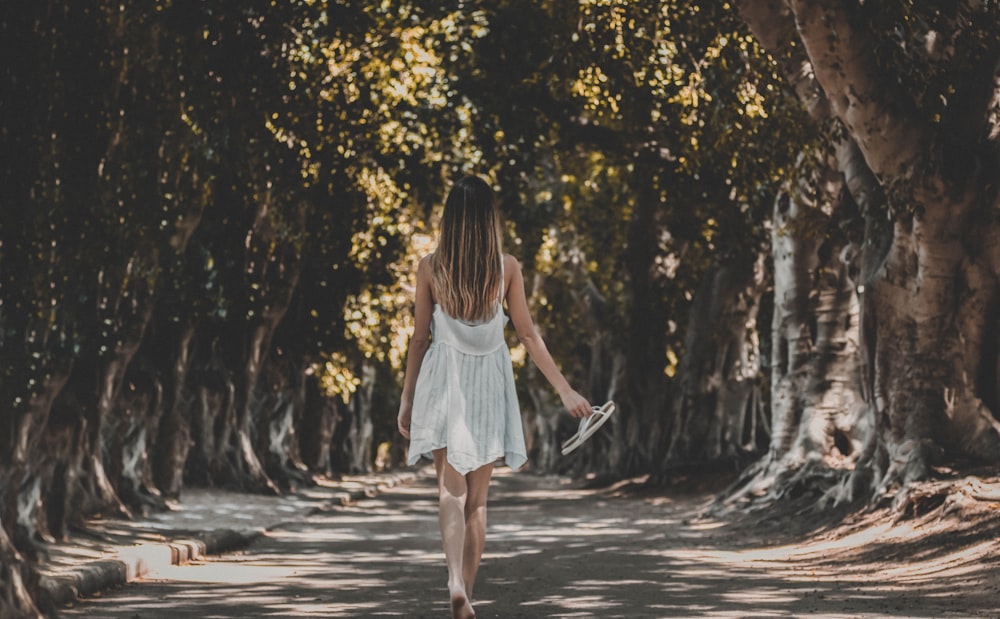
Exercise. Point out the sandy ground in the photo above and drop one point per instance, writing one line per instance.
(558, 549)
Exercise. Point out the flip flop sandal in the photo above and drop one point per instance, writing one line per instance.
(588, 426)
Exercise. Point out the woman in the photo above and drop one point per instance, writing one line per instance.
(459, 405)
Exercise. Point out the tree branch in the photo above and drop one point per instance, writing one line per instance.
(842, 58)
(773, 25)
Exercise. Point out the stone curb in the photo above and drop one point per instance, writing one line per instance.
(136, 561)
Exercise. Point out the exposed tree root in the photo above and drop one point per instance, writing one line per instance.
(17, 581)
(814, 488)
(770, 481)
(944, 497)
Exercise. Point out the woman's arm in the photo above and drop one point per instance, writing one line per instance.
(517, 305)
(419, 342)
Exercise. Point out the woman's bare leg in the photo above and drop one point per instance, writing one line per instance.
(478, 487)
(452, 496)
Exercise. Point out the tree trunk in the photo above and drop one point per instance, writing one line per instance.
(929, 285)
(319, 421)
(29, 497)
(717, 403)
(130, 435)
(128, 399)
(18, 582)
(353, 435)
(279, 399)
(170, 346)
(639, 430)
(927, 301)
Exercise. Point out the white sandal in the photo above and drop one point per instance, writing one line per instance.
(588, 426)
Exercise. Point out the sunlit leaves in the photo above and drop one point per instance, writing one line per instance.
(335, 376)
(256, 157)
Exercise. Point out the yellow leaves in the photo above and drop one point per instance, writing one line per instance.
(670, 369)
(190, 122)
(752, 100)
(591, 86)
(335, 379)
(545, 259)
(710, 230)
(518, 356)
(689, 97)
(379, 325)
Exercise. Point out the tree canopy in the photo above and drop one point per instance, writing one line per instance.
(212, 214)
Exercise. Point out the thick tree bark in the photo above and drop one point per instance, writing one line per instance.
(928, 297)
(928, 285)
(130, 435)
(127, 404)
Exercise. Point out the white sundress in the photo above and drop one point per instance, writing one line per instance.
(465, 397)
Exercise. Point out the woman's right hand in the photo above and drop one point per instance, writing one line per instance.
(576, 404)
(403, 419)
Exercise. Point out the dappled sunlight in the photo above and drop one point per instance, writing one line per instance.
(538, 534)
(553, 551)
(583, 602)
(233, 573)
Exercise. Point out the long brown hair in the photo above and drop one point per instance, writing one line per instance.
(468, 261)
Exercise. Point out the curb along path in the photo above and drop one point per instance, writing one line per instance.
(110, 553)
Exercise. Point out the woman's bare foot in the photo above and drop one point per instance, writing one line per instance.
(460, 606)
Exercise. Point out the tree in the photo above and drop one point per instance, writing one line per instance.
(629, 145)
(911, 90)
(167, 193)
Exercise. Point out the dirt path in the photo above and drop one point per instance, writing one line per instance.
(555, 550)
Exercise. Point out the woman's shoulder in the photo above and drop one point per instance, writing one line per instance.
(510, 263)
(425, 270)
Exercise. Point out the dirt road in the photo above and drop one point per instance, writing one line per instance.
(556, 550)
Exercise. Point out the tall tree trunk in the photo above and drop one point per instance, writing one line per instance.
(352, 439)
(717, 403)
(31, 490)
(170, 347)
(129, 437)
(280, 398)
(929, 294)
(320, 417)
(925, 302)
(639, 431)
(124, 413)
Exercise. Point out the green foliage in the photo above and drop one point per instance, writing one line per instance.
(235, 163)
(586, 110)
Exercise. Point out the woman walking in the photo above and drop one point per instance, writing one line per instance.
(459, 405)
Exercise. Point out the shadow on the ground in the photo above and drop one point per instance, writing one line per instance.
(559, 550)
